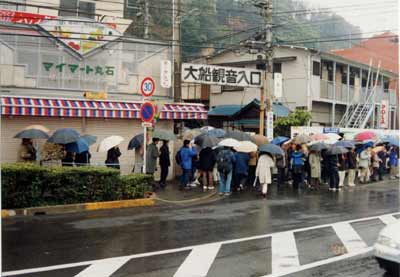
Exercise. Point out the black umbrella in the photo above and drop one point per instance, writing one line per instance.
(64, 136)
(136, 141)
(337, 150)
(318, 146)
(238, 135)
(206, 140)
(33, 132)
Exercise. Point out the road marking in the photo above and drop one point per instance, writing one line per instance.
(385, 218)
(199, 261)
(349, 237)
(388, 219)
(103, 269)
(320, 263)
(284, 252)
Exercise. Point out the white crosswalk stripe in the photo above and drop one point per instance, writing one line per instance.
(284, 253)
(351, 240)
(199, 261)
(103, 268)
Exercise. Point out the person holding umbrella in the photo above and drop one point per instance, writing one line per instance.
(165, 163)
(26, 151)
(225, 163)
(297, 163)
(352, 164)
(263, 171)
(113, 155)
(364, 164)
(393, 162)
(315, 168)
(186, 154)
(152, 155)
(207, 161)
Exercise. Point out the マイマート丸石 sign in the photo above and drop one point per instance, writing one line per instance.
(224, 76)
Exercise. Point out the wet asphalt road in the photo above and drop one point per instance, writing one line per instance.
(53, 240)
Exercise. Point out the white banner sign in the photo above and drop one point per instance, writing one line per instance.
(166, 74)
(278, 85)
(270, 126)
(218, 75)
(384, 116)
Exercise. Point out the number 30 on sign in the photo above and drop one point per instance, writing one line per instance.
(147, 87)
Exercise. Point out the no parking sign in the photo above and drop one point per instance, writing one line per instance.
(147, 112)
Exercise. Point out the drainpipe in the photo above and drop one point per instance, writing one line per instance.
(334, 94)
(309, 80)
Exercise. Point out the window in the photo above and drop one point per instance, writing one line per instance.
(77, 8)
(18, 6)
(277, 68)
(132, 7)
(316, 71)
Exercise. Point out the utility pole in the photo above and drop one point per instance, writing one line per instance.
(176, 48)
(146, 19)
(265, 92)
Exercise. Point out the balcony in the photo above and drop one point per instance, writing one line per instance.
(341, 95)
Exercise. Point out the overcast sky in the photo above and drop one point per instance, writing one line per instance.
(371, 16)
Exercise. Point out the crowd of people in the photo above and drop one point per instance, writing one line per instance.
(300, 166)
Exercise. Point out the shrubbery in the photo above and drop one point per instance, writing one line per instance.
(30, 185)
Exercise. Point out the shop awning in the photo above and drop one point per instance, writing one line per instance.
(32, 106)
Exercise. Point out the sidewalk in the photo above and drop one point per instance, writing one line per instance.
(172, 194)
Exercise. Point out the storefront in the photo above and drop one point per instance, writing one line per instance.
(83, 75)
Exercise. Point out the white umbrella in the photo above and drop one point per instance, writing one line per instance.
(333, 136)
(330, 141)
(109, 142)
(229, 142)
(246, 147)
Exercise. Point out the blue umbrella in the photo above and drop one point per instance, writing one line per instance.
(391, 140)
(64, 136)
(78, 146)
(90, 139)
(218, 133)
(271, 149)
(136, 141)
(279, 140)
(364, 146)
(345, 143)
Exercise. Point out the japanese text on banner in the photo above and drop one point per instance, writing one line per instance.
(217, 75)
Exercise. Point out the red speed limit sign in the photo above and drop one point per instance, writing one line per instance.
(147, 87)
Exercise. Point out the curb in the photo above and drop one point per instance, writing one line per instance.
(71, 208)
(193, 200)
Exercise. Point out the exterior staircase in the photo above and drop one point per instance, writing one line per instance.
(358, 114)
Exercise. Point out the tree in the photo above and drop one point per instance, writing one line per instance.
(296, 118)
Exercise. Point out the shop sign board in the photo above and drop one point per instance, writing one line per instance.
(384, 114)
(147, 112)
(166, 74)
(328, 130)
(223, 76)
(278, 85)
(95, 95)
(23, 17)
(100, 70)
(147, 87)
(82, 37)
(270, 126)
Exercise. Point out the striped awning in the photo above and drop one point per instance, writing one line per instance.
(32, 106)
(183, 111)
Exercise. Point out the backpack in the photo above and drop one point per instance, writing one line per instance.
(224, 161)
(178, 158)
